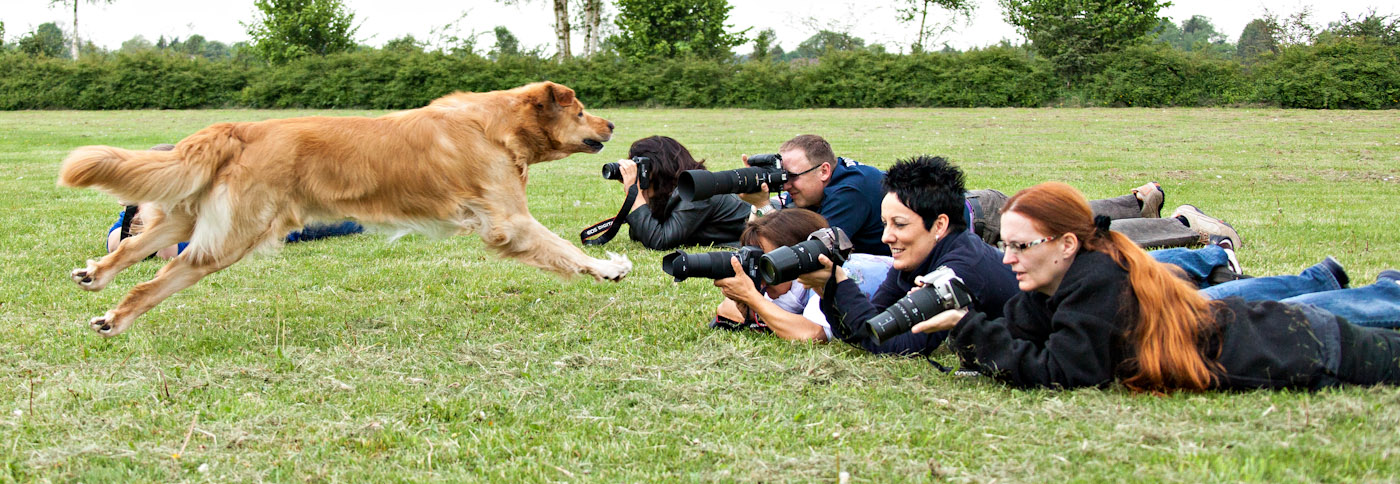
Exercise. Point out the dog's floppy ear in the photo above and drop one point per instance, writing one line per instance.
(558, 94)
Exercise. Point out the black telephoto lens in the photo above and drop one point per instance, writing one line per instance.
(710, 265)
(904, 314)
(786, 263)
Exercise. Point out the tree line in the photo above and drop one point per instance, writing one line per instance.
(1079, 52)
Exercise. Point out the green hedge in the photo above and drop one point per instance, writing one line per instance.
(1344, 73)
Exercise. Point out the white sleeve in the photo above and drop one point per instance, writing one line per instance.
(813, 313)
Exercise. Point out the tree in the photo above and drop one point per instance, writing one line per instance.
(1072, 33)
(1195, 34)
(404, 44)
(592, 23)
(912, 9)
(45, 41)
(289, 29)
(1378, 28)
(675, 27)
(826, 41)
(507, 44)
(1257, 38)
(764, 45)
(75, 40)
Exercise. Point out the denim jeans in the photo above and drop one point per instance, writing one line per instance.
(1376, 305)
(1196, 262)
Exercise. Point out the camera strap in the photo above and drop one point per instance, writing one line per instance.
(602, 232)
(126, 221)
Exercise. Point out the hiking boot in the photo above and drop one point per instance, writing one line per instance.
(1151, 196)
(1206, 224)
(1338, 272)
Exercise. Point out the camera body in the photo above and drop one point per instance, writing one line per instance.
(784, 264)
(942, 290)
(613, 171)
(713, 265)
(702, 184)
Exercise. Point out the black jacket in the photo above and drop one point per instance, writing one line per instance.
(717, 220)
(978, 264)
(1076, 337)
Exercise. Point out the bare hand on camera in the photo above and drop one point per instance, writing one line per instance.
(816, 280)
(628, 170)
(943, 321)
(758, 199)
(738, 288)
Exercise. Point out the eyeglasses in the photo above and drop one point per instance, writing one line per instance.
(1019, 247)
(792, 175)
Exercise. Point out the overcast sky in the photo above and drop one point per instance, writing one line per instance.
(794, 20)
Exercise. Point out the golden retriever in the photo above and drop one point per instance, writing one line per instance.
(458, 165)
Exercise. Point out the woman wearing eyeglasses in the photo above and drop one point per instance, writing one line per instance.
(1095, 309)
(924, 215)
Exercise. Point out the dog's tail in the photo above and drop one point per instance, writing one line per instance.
(136, 176)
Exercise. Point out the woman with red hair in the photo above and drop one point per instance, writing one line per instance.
(1095, 309)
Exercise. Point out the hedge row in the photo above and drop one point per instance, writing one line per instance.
(1345, 73)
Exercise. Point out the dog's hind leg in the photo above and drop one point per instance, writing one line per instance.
(181, 272)
(162, 230)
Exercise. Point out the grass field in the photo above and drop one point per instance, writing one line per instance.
(359, 359)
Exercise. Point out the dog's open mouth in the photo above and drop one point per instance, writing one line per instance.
(593, 144)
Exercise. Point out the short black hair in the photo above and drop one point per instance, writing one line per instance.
(930, 186)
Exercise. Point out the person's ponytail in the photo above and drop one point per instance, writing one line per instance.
(1172, 318)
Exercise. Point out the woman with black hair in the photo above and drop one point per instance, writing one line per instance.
(659, 219)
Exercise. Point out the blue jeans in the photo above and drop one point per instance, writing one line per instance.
(1196, 262)
(1376, 305)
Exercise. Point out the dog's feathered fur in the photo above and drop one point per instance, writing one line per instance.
(458, 165)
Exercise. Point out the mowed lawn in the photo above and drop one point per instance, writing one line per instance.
(361, 359)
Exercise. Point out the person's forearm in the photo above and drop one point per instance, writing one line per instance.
(786, 325)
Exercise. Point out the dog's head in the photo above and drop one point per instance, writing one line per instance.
(568, 126)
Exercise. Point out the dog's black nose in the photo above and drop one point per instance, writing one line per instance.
(610, 125)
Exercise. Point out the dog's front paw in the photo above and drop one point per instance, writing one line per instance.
(613, 269)
(87, 277)
(106, 325)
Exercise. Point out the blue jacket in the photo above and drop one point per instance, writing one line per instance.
(851, 201)
(978, 264)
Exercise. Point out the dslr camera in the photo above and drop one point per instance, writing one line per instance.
(613, 171)
(701, 184)
(784, 264)
(713, 265)
(943, 290)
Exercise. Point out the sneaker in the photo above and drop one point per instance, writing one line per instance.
(1231, 260)
(1338, 272)
(1221, 274)
(1391, 274)
(1151, 196)
(1207, 225)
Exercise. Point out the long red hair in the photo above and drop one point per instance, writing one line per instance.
(1172, 316)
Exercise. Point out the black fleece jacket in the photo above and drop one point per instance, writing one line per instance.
(717, 220)
(978, 264)
(1077, 337)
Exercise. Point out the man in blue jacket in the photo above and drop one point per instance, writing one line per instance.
(843, 191)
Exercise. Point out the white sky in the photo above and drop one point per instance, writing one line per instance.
(793, 20)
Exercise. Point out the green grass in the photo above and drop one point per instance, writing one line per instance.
(358, 359)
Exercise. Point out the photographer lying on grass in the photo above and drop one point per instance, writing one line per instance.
(658, 218)
(789, 310)
(1096, 308)
(925, 228)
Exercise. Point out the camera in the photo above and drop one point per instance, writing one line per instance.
(786, 263)
(613, 171)
(701, 184)
(943, 290)
(712, 265)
